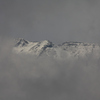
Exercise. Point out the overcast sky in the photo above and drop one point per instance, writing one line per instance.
(54, 20)
(27, 78)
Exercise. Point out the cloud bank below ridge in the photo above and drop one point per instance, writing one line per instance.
(26, 77)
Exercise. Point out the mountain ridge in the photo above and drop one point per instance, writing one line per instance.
(66, 49)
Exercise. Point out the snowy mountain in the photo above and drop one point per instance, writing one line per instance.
(66, 49)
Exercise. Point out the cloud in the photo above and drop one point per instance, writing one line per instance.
(24, 77)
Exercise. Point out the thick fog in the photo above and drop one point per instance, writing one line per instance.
(24, 77)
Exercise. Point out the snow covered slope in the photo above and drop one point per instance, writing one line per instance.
(67, 49)
(35, 48)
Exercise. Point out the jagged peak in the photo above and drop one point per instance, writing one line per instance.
(46, 43)
(21, 41)
(72, 43)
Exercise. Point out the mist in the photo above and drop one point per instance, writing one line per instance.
(25, 77)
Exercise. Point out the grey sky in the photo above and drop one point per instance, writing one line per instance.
(55, 20)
